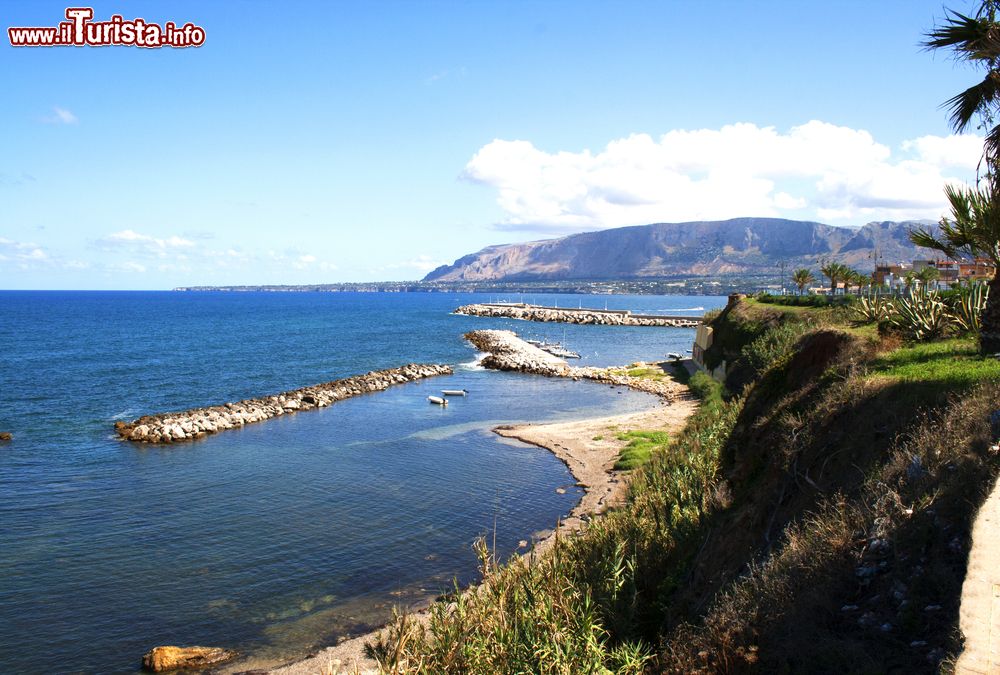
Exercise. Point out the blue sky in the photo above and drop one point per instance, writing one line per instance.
(311, 142)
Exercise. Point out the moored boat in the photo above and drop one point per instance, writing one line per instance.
(437, 400)
(454, 392)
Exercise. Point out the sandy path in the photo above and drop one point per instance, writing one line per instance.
(979, 615)
(589, 448)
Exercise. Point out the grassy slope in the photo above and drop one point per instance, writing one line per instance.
(816, 522)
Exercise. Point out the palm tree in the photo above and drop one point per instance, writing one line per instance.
(927, 276)
(854, 278)
(836, 273)
(802, 278)
(862, 281)
(974, 227)
(972, 231)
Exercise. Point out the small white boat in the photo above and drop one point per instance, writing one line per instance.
(437, 400)
(563, 353)
(454, 392)
(673, 355)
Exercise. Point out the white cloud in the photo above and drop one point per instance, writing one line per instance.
(421, 263)
(22, 251)
(146, 245)
(814, 170)
(60, 116)
(961, 151)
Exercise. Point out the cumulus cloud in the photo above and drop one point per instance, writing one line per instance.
(813, 170)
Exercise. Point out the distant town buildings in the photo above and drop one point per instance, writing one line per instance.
(949, 271)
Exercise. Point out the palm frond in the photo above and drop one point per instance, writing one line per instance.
(971, 37)
(976, 99)
(973, 229)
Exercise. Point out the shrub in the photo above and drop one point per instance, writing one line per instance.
(872, 309)
(807, 300)
(965, 305)
(920, 316)
(772, 346)
(705, 388)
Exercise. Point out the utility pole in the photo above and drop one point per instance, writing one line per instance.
(782, 276)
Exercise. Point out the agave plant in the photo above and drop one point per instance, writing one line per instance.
(871, 308)
(921, 315)
(966, 307)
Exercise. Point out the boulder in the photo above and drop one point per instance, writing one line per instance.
(160, 659)
(6, 436)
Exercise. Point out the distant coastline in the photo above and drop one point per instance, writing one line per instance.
(688, 285)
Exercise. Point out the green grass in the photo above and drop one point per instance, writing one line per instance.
(650, 372)
(641, 445)
(954, 364)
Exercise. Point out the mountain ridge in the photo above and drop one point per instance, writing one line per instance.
(701, 248)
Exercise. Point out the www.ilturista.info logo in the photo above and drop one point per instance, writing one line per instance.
(81, 31)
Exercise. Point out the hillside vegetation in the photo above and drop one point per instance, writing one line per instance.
(814, 516)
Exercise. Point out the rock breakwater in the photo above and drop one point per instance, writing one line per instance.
(505, 351)
(191, 424)
(601, 317)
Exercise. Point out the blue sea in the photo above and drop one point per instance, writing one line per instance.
(284, 536)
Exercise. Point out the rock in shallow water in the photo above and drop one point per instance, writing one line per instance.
(160, 659)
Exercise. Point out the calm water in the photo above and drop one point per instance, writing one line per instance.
(282, 536)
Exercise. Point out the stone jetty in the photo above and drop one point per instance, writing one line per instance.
(190, 424)
(601, 317)
(505, 351)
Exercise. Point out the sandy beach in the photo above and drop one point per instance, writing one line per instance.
(589, 447)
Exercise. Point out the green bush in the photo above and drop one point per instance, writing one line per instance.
(704, 387)
(772, 347)
(807, 300)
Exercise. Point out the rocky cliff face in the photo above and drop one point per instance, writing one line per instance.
(738, 246)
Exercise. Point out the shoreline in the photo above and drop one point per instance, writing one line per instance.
(589, 448)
